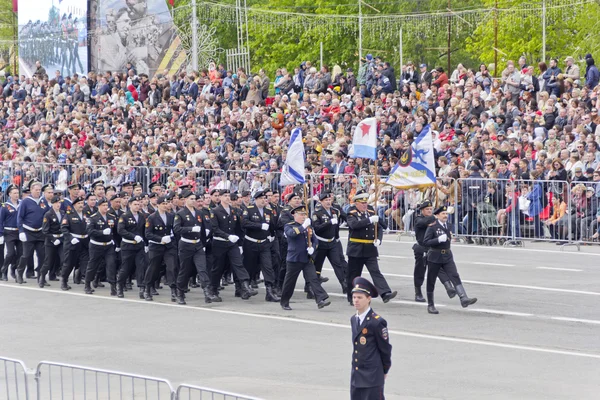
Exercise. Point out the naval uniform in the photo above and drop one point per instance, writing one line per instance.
(225, 224)
(420, 251)
(30, 216)
(10, 232)
(285, 216)
(439, 255)
(371, 358)
(158, 228)
(298, 260)
(361, 249)
(53, 250)
(75, 244)
(208, 248)
(257, 242)
(133, 255)
(192, 256)
(327, 231)
(276, 246)
(102, 247)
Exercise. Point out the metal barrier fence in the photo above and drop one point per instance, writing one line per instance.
(66, 381)
(62, 381)
(191, 392)
(14, 382)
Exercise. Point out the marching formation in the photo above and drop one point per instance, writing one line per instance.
(207, 240)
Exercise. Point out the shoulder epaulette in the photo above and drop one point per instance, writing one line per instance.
(291, 223)
(376, 316)
(250, 207)
(94, 214)
(268, 207)
(68, 212)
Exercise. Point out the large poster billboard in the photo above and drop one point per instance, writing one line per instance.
(55, 33)
(137, 31)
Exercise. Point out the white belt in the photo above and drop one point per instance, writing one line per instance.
(57, 236)
(190, 240)
(31, 229)
(92, 241)
(324, 240)
(220, 239)
(255, 240)
(79, 236)
(155, 242)
(6, 228)
(129, 241)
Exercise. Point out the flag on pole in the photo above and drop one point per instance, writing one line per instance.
(293, 168)
(364, 143)
(416, 166)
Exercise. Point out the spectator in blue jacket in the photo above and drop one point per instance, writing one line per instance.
(592, 75)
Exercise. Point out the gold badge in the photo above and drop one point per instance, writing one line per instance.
(363, 340)
(364, 331)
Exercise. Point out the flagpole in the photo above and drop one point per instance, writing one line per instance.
(376, 195)
(307, 211)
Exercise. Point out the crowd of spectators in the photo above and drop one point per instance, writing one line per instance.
(529, 137)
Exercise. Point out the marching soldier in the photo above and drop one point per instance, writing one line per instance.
(90, 207)
(437, 237)
(131, 229)
(285, 216)
(362, 245)
(9, 232)
(75, 243)
(257, 222)
(325, 221)
(227, 241)
(273, 198)
(189, 224)
(53, 243)
(162, 248)
(300, 247)
(67, 202)
(100, 229)
(423, 220)
(204, 207)
(30, 216)
(372, 353)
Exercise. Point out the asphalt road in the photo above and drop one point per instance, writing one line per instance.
(533, 334)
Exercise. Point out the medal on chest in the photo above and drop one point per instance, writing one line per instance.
(363, 340)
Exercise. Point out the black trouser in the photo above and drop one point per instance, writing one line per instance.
(192, 260)
(282, 257)
(421, 267)
(158, 254)
(100, 256)
(133, 260)
(310, 276)
(434, 268)
(75, 255)
(334, 254)
(223, 255)
(355, 266)
(52, 255)
(370, 393)
(14, 250)
(276, 262)
(35, 242)
(257, 258)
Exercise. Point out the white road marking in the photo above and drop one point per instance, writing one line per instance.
(585, 321)
(488, 311)
(509, 285)
(560, 269)
(484, 263)
(319, 323)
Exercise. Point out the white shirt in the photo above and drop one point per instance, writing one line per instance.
(361, 317)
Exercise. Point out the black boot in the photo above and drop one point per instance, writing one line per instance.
(430, 305)
(323, 303)
(173, 294)
(64, 285)
(141, 292)
(77, 277)
(42, 282)
(128, 284)
(271, 296)
(224, 282)
(450, 289)
(215, 295)
(323, 279)
(180, 297)
(193, 283)
(229, 279)
(388, 296)
(157, 285)
(153, 290)
(465, 301)
(286, 306)
(207, 295)
(245, 290)
(88, 288)
(120, 293)
(238, 289)
(12, 272)
(419, 295)
(310, 295)
(4, 276)
(148, 293)
(113, 289)
(253, 284)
